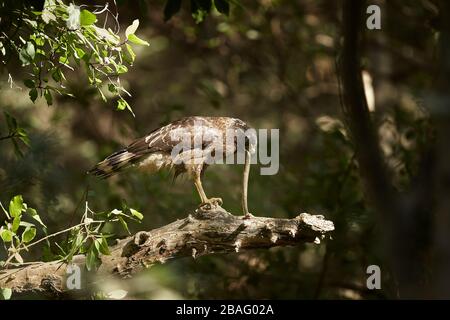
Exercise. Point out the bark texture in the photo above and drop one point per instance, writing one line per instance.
(201, 233)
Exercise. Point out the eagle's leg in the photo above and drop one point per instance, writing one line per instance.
(247, 215)
(208, 203)
(201, 192)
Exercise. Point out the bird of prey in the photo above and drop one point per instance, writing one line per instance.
(166, 148)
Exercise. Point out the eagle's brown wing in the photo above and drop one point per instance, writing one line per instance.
(159, 140)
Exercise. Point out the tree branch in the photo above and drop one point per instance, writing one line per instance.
(201, 233)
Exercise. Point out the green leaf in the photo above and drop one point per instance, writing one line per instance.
(78, 240)
(21, 132)
(121, 104)
(171, 8)
(48, 97)
(17, 150)
(91, 258)
(16, 206)
(130, 52)
(73, 21)
(47, 14)
(5, 293)
(103, 246)
(124, 224)
(32, 212)
(23, 136)
(63, 59)
(136, 214)
(27, 53)
(112, 88)
(121, 69)
(134, 39)
(33, 94)
(28, 234)
(56, 75)
(222, 6)
(79, 53)
(132, 28)
(76, 245)
(32, 23)
(107, 35)
(25, 140)
(6, 235)
(26, 224)
(16, 223)
(40, 42)
(28, 83)
(87, 18)
(38, 219)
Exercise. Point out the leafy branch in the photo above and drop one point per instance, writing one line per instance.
(61, 38)
(15, 131)
(86, 237)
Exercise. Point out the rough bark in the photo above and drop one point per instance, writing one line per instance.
(201, 233)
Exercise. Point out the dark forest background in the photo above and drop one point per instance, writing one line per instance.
(272, 64)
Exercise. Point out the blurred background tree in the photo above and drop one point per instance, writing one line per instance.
(272, 64)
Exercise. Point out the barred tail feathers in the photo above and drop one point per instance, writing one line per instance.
(114, 164)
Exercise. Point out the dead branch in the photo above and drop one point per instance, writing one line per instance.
(201, 233)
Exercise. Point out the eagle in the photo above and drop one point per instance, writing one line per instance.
(188, 145)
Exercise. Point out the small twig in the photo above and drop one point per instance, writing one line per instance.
(62, 231)
(11, 135)
(27, 246)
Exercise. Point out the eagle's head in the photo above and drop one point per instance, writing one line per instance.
(249, 134)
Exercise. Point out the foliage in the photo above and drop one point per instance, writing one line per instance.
(87, 237)
(15, 131)
(60, 38)
(271, 63)
(17, 233)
